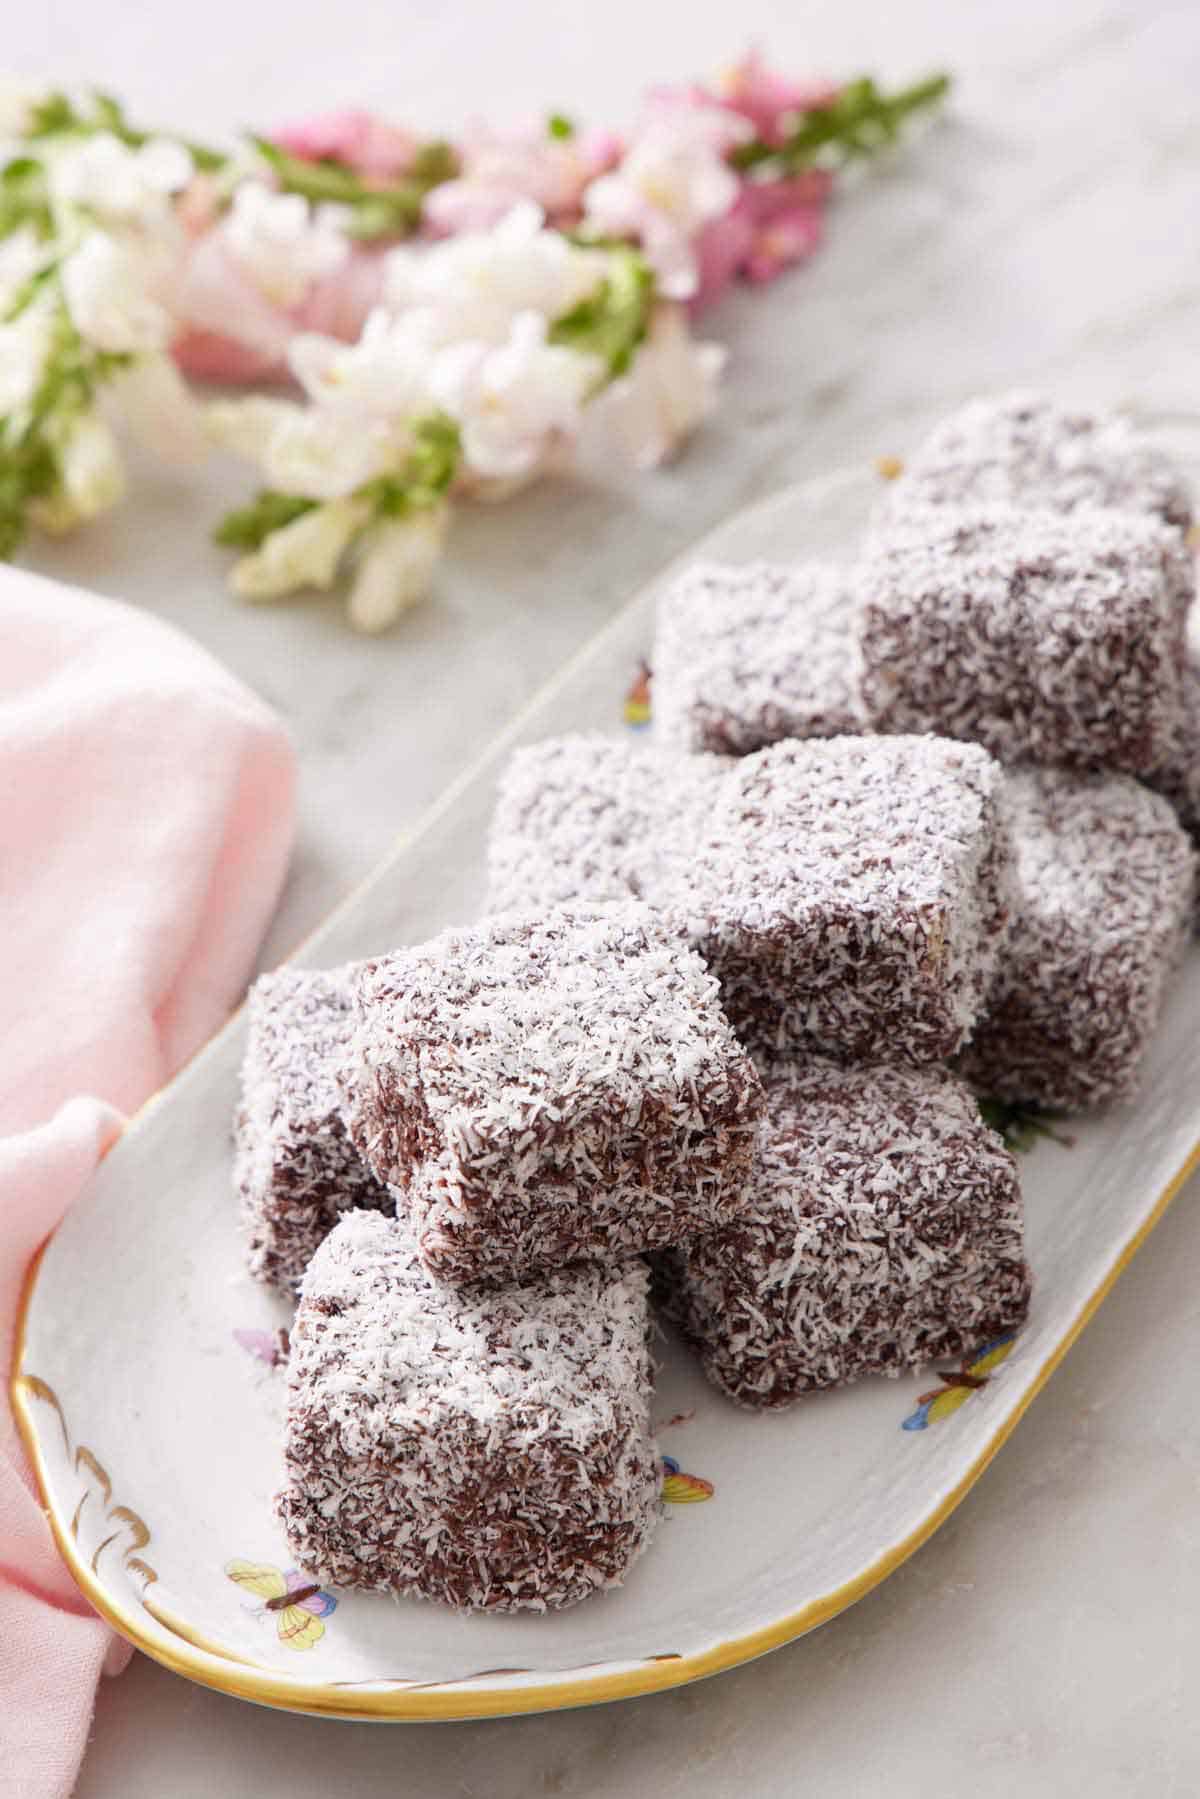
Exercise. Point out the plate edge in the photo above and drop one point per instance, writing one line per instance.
(444, 1702)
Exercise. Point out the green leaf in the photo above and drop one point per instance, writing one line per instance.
(109, 114)
(56, 115)
(559, 125)
(28, 471)
(427, 472)
(859, 121)
(19, 170)
(25, 198)
(421, 482)
(30, 441)
(435, 161)
(248, 526)
(611, 322)
(393, 210)
(210, 161)
(52, 114)
(384, 215)
(1020, 1125)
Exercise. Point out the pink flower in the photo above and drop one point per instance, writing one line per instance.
(771, 226)
(374, 149)
(209, 356)
(792, 234)
(668, 393)
(704, 117)
(198, 207)
(502, 168)
(232, 333)
(671, 183)
(722, 250)
(767, 99)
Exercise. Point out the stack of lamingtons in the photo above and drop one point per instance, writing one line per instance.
(708, 1050)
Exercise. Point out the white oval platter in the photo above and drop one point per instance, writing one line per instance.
(154, 1432)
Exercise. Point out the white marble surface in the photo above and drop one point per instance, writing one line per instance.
(1041, 1642)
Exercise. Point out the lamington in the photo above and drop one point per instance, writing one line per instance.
(1048, 638)
(1026, 449)
(550, 1087)
(295, 1168)
(594, 817)
(488, 1448)
(885, 1229)
(1105, 882)
(1178, 777)
(746, 656)
(850, 894)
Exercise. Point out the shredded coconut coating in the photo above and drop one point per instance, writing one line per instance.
(1024, 448)
(746, 656)
(1105, 890)
(550, 1088)
(1178, 779)
(1047, 638)
(885, 1230)
(594, 818)
(850, 894)
(294, 1165)
(491, 1449)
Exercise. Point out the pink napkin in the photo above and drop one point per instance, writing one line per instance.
(146, 811)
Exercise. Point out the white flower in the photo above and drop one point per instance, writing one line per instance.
(245, 426)
(153, 399)
(22, 255)
(91, 476)
(119, 185)
(281, 243)
(104, 284)
(671, 388)
(325, 455)
(671, 182)
(24, 346)
(474, 286)
(385, 373)
(309, 450)
(17, 101)
(305, 553)
(395, 566)
(515, 403)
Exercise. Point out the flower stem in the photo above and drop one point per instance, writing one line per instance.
(391, 210)
(859, 121)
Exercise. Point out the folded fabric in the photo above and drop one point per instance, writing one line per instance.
(146, 813)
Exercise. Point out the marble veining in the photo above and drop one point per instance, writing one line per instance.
(1046, 233)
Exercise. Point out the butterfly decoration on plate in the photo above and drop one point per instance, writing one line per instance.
(958, 1384)
(636, 710)
(683, 1489)
(298, 1604)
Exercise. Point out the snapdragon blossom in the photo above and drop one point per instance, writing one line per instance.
(442, 321)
